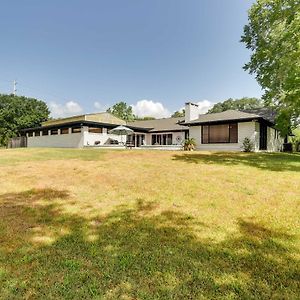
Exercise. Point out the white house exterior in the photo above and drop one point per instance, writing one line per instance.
(72, 139)
(227, 130)
(223, 131)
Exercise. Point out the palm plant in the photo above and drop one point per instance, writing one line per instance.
(189, 144)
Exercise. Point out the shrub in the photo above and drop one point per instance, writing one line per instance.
(189, 144)
(248, 145)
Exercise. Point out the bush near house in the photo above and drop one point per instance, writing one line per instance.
(248, 145)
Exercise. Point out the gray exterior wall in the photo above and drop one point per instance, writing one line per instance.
(72, 140)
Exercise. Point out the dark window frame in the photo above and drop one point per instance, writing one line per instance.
(95, 129)
(54, 132)
(160, 138)
(45, 132)
(229, 140)
(76, 129)
(64, 131)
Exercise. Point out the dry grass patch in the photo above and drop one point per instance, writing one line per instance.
(148, 224)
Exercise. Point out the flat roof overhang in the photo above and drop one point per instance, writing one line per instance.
(71, 124)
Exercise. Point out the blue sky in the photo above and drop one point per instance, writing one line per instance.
(85, 55)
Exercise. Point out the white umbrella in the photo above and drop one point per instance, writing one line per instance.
(121, 130)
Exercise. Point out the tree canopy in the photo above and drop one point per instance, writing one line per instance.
(178, 114)
(273, 36)
(236, 104)
(143, 118)
(122, 111)
(19, 112)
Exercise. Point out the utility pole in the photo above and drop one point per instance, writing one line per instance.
(15, 88)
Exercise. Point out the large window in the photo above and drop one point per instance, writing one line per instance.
(162, 139)
(223, 133)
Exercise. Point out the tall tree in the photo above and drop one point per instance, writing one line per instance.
(122, 111)
(273, 36)
(236, 104)
(17, 113)
(178, 114)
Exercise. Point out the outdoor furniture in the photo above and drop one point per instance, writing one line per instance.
(129, 145)
(121, 130)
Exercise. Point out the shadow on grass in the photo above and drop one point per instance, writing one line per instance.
(137, 254)
(265, 161)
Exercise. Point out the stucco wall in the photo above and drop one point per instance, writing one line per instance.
(245, 129)
(90, 138)
(73, 140)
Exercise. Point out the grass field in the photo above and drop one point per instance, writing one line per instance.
(81, 224)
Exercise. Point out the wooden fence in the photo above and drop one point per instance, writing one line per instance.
(17, 142)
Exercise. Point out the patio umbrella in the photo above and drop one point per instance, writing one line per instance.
(121, 130)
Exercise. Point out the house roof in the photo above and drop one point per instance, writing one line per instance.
(234, 115)
(165, 124)
(101, 117)
(71, 124)
(266, 113)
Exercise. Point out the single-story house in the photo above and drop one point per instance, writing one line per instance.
(227, 130)
(223, 131)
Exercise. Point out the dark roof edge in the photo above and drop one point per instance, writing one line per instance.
(258, 118)
(63, 125)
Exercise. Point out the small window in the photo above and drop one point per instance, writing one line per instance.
(45, 132)
(76, 129)
(37, 133)
(54, 131)
(95, 130)
(64, 131)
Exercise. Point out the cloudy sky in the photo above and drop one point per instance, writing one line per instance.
(84, 56)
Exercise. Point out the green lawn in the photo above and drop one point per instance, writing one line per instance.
(83, 224)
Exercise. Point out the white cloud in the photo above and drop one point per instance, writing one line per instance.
(70, 108)
(149, 108)
(204, 106)
(100, 106)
